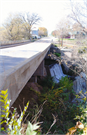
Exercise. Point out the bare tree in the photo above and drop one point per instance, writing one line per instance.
(79, 13)
(29, 21)
(18, 26)
(63, 28)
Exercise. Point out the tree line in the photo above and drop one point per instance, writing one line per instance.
(76, 21)
(19, 26)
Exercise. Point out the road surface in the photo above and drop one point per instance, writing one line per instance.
(10, 57)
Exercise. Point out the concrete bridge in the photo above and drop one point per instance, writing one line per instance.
(18, 64)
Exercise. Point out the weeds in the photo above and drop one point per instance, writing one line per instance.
(57, 54)
(56, 104)
(59, 104)
(14, 123)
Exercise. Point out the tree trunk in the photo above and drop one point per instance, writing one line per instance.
(59, 40)
(29, 33)
(62, 42)
(86, 93)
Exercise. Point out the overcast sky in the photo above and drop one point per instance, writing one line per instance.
(51, 11)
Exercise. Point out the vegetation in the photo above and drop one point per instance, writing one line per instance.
(77, 29)
(29, 21)
(82, 50)
(19, 26)
(43, 31)
(14, 123)
(81, 125)
(56, 99)
(57, 54)
(78, 13)
(63, 29)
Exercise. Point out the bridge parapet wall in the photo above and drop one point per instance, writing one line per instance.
(15, 79)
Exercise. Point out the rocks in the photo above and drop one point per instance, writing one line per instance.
(65, 68)
(54, 49)
(80, 85)
(51, 54)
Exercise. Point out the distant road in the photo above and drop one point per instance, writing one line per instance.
(14, 44)
(24, 43)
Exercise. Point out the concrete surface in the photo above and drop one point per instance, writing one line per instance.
(17, 65)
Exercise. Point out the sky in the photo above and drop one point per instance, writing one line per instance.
(51, 11)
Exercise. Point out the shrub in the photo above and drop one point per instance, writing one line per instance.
(58, 103)
(81, 124)
(82, 50)
(47, 82)
(14, 124)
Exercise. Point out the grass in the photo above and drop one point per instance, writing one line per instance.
(13, 42)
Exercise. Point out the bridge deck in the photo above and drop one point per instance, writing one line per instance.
(17, 65)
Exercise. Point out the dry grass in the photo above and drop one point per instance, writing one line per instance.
(12, 42)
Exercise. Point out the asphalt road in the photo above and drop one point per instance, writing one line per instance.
(10, 57)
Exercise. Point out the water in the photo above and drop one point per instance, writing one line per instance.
(56, 72)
